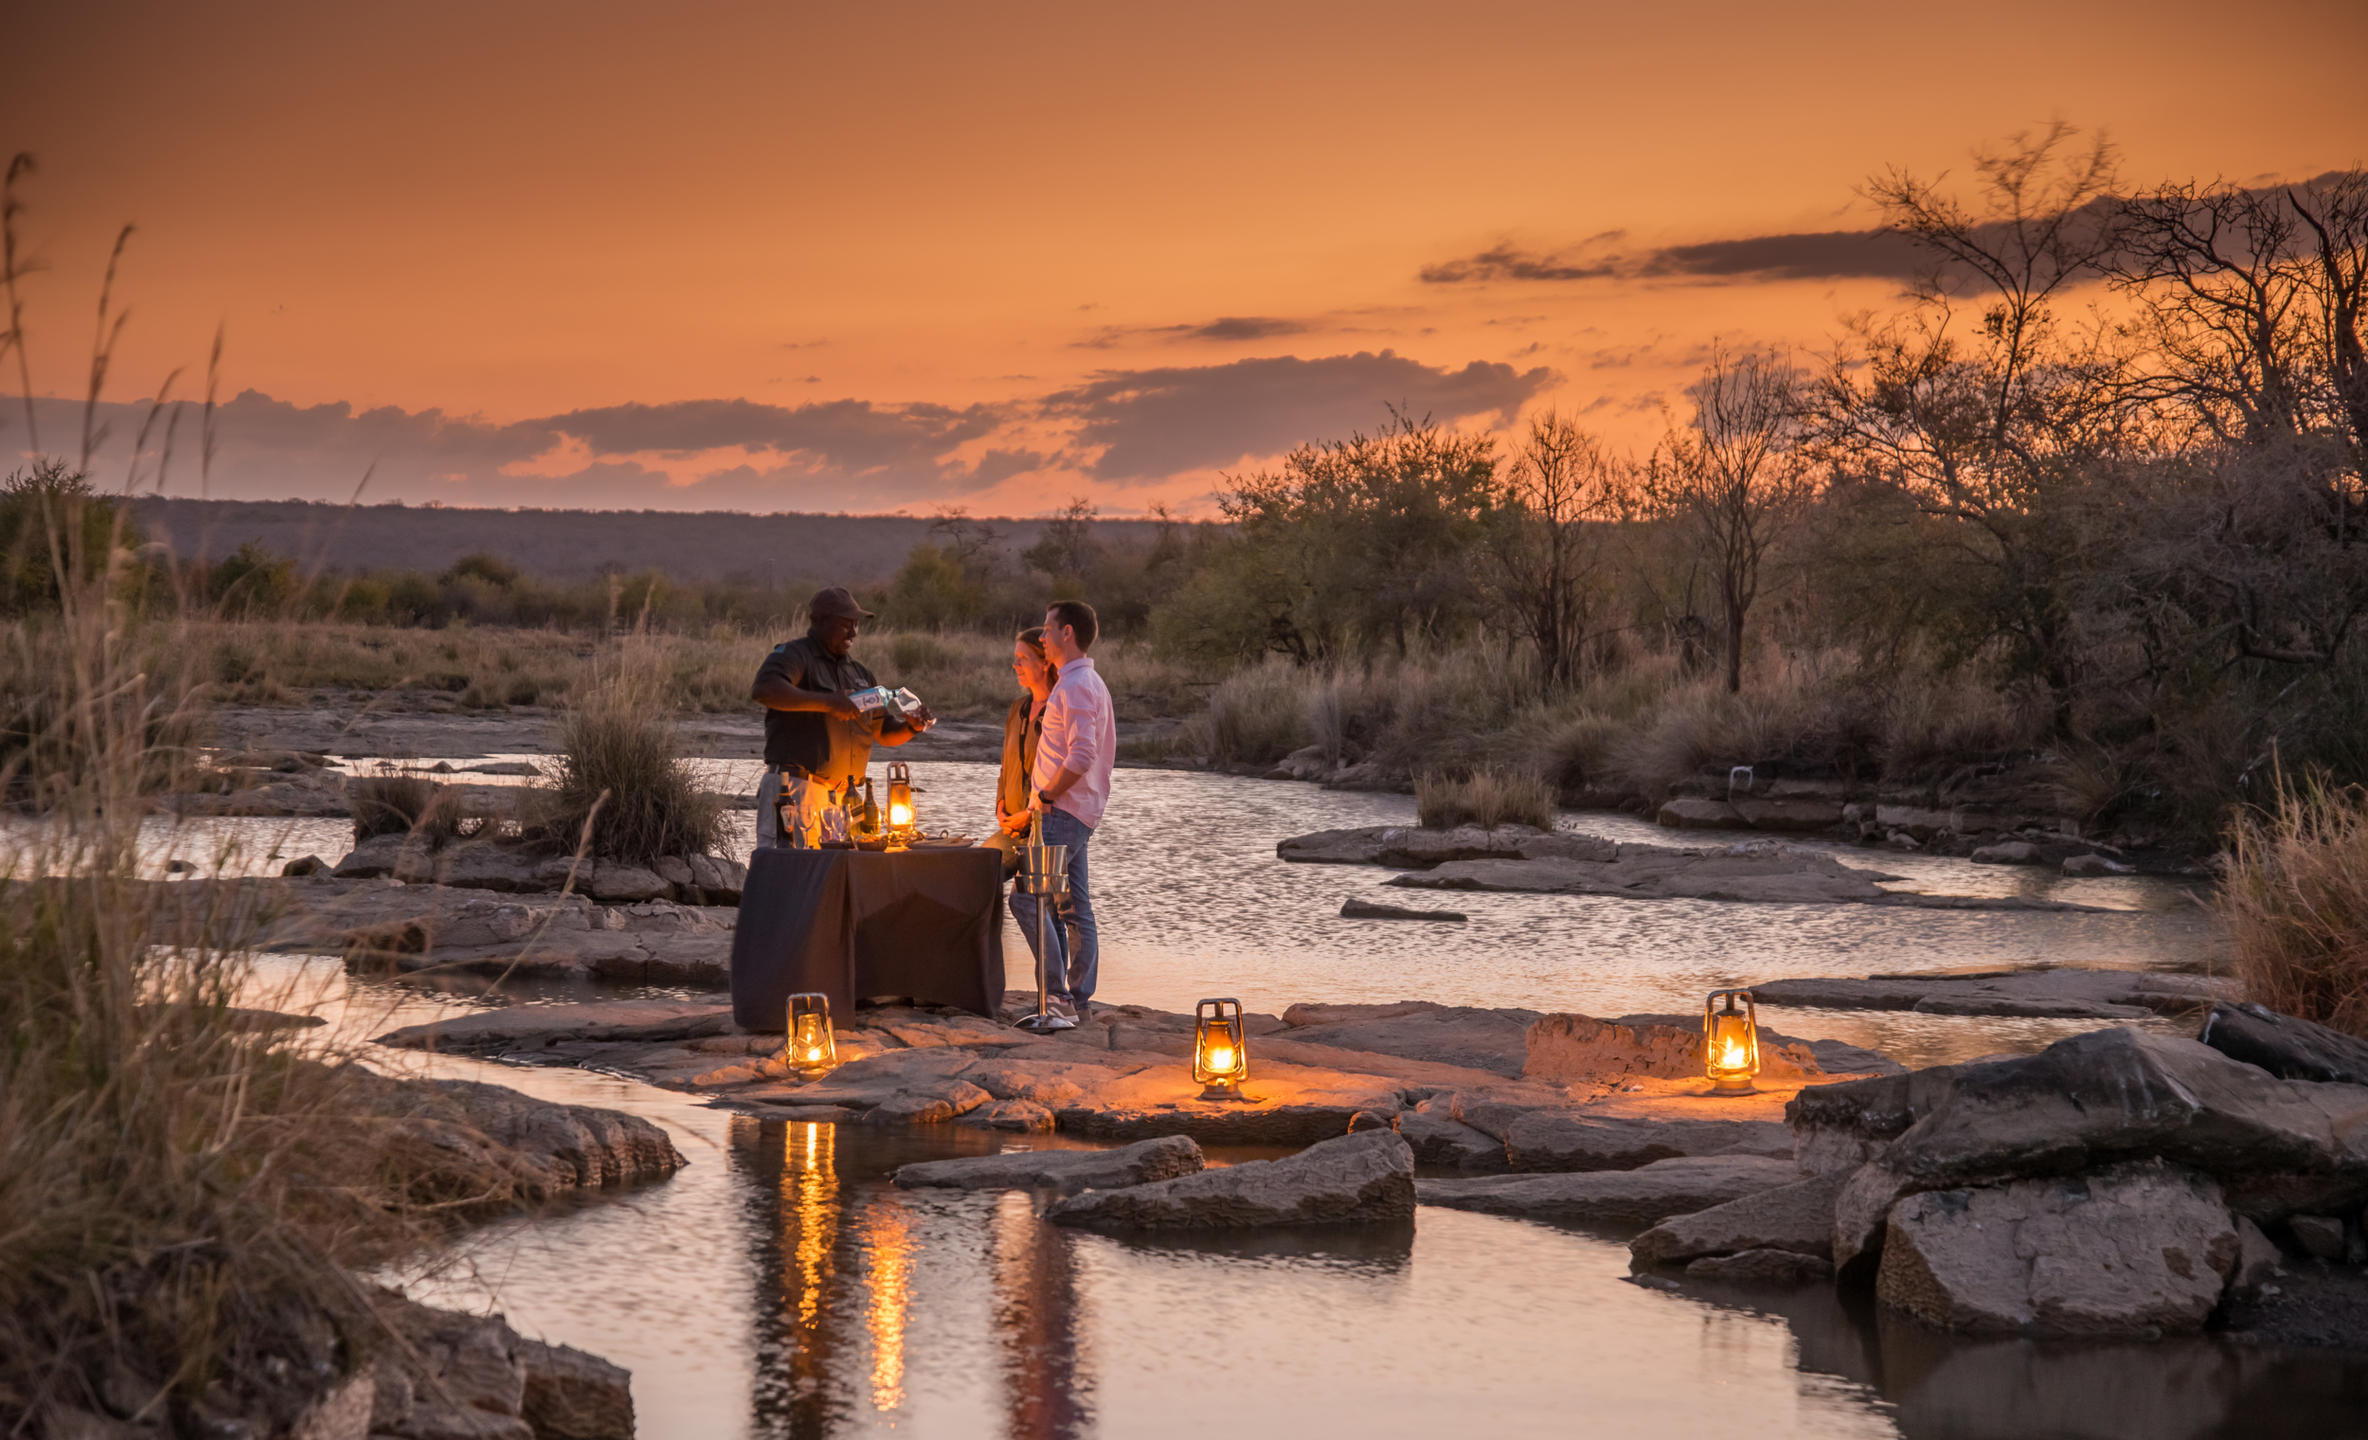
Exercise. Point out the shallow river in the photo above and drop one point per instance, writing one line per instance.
(780, 1287)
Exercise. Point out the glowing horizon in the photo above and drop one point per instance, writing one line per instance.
(741, 258)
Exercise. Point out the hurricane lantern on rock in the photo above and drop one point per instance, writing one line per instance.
(1730, 1041)
(811, 1046)
(900, 796)
(1220, 1061)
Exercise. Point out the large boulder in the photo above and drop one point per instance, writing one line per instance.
(2278, 1146)
(1643, 1196)
(1144, 1161)
(2287, 1047)
(1798, 1217)
(2139, 1249)
(1360, 1179)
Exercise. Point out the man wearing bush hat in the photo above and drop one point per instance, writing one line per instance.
(816, 739)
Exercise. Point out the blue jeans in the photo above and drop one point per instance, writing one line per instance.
(1076, 959)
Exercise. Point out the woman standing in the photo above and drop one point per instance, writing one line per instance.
(1021, 726)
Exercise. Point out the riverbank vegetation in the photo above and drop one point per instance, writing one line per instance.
(2089, 502)
(2296, 901)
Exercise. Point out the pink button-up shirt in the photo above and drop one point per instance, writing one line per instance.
(1080, 734)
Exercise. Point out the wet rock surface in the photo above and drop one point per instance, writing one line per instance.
(1163, 1158)
(1361, 1179)
(2038, 992)
(1645, 1195)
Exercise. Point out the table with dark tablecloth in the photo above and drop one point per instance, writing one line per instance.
(853, 924)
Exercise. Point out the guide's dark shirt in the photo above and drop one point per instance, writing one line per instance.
(833, 750)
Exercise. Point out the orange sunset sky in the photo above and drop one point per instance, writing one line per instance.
(904, 255)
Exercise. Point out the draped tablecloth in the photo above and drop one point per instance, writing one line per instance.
(857, 924)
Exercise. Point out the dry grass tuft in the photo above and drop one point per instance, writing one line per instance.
(1487, 797)
(619, 769)
(2296, 903)
(402, 805)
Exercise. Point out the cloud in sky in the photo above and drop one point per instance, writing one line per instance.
(1223, 328)
(1875, 254)
(1153, 423)
(1129, 426)
(1828, 255)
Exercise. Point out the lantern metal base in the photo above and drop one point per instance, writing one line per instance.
(1223, 1090)
(1733, 1087)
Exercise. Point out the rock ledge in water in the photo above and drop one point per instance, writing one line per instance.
(1163, 1158)
(1362, 1179)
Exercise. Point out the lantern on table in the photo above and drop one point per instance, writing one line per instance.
(1730, 1041)
(811, 1047)
(900, 797)
(1220, 1061)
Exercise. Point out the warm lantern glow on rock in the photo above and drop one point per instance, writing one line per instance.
(811, 1045)
(1730, 1041)
(1220, 1061)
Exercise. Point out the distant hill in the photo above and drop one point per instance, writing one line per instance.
(703, 546)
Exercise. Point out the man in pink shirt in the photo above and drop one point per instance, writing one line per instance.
(1068, 789)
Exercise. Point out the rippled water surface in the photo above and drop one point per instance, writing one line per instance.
(779, 1286)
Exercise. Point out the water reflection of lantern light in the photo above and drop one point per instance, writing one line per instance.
(810, 1209)
(811, 1045)
(889, 1242)
(1220, 1058)
(1730, 1041)
(900, 796)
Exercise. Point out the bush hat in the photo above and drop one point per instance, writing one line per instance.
(836, 602)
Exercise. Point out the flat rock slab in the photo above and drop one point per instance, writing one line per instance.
(1493, 1040)
(1361, 1179)
(1356, 909)
(1413, 847)
(1583, 1049)
(1568, 1140)
(1643, 1196)
(2072, 994)
(1163, 1158)
(540, 1026)
(1762, 1267)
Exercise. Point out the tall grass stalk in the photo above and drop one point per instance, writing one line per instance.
(183, 1196)
(2296, 903)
